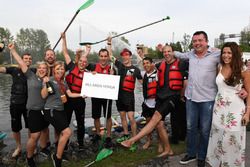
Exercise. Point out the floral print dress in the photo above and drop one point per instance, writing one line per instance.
(227, 139)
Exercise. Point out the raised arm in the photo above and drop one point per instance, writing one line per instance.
(16, 56)
(109, 48)
(65, 49)
(87, 50)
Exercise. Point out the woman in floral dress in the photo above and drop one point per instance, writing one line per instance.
(230, 115)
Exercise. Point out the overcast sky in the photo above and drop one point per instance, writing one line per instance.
(187, 16)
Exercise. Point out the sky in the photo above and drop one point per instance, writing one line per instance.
(104, 16)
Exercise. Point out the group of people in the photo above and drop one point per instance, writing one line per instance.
(217, 104)
(206, 91)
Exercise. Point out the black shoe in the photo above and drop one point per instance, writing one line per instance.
(96, 139)
(45, 152)
(31, 162)
(187, 160)
(56, 162)
(108, 143)
(201, 163)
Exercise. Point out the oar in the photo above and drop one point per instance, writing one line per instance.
(102, 154)
(93, 43)
(84, 6)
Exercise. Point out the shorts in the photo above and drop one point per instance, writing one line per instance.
(36, 121)
(58, 119)
(146, 111)
(165, 106)
(121, 106)
(98, 105)
(16, 112)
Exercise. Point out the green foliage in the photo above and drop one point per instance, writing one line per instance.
(154, 54)
(186, 42)
(245, 40)
(6, 37)
(93, 57)
(59, 55)
(33, 41)
(176, 46)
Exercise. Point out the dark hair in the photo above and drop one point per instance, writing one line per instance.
(236, 63)
(201, 32)
(167, 45)
(28, 54)
(148, 59)
(103, 50)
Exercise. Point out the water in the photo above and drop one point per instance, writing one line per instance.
(5, 121)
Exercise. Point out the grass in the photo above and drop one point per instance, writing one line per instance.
(121, 157)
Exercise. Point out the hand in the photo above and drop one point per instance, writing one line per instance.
(94, 72)
(88, 48)
(45, 79)
(11, 46)
(63, 35)
(242, 93)
(245, 119)
(109, 40)
(112, 72)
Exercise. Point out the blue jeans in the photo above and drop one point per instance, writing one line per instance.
(199, 118)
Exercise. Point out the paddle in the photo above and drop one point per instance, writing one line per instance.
(93, 43)
(102, 154)
(105, 152)
(84, 6)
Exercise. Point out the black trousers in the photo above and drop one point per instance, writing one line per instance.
(178, 122)
(78, 106)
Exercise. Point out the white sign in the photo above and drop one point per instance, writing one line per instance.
(100, 86)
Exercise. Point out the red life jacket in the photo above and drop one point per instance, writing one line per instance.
(74, 80)
(101, 70)
(150, 85)
(174, 75)
(129, 81)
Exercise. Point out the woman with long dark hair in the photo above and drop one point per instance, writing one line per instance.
(227, 140)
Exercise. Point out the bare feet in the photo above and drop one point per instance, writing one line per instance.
(127, 143)
(16, 153)
(146, 145)
(166, 153)
(160, 148)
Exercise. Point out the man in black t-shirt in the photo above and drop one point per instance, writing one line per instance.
(126, 102)
(18, 100)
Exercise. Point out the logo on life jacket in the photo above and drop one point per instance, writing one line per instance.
(129, 81)
(150, 85)
(101, 70)
(74, 80)
(174, 75)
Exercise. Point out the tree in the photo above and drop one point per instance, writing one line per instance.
(6, 37)
(33, 41)
(245, 40)
(177, 46)
(186, 42)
